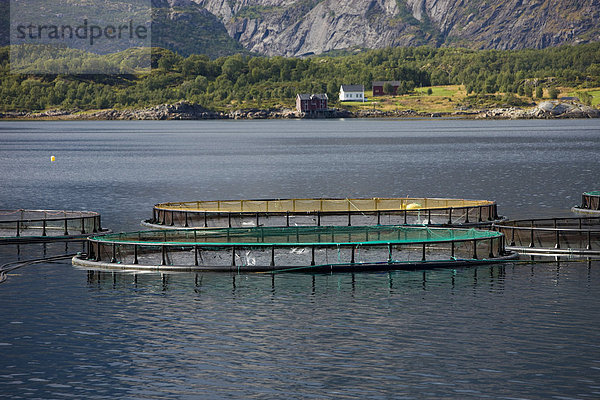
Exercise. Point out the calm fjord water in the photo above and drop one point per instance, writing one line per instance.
(512, 331)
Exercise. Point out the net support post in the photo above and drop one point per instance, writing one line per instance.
(531, 239)
(272, 256)
(135, 254)
(113, 259)
(98, 256)
(90, 252)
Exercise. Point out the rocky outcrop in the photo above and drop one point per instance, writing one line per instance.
(544, 110)
(184, 110)
(302, 27)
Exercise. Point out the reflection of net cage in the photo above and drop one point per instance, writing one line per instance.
(27, 225)
(294, 248)
(553, 235)
(322, 212)
(590, 203)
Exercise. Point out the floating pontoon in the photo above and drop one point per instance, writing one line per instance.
(294, 249)
(322, 212)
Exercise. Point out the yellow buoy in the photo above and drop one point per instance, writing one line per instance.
(413, 206)
(52, 158)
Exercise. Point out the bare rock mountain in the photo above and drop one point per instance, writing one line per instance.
(301, 27)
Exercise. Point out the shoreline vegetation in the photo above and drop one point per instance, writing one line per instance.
(559, 82)
(184, 110)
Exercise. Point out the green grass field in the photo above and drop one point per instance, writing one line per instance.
(437, 91)
(595, 93)
(596, 97)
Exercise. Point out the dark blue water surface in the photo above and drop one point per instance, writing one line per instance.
(517, 331)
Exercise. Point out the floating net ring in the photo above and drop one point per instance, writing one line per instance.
(47, 225)
(571, 236)
(274, 249)
(323, 212)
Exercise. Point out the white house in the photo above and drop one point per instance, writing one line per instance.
(352, 93)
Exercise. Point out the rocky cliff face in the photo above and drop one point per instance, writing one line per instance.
(301, 27)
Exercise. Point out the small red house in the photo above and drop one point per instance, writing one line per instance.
(308, 103)
(378, 87)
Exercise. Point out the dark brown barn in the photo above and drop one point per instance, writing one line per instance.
(311, 102)
(378, 87)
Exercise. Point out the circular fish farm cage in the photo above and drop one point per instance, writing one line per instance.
(590, 203)
(19, 226)
(562, 236)
(313, 249)
(322, 212)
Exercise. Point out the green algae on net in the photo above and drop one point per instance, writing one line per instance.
(272, 249)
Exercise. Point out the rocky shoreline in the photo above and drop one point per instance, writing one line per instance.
(184, 110)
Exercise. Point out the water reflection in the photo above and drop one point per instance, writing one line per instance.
(351, 283)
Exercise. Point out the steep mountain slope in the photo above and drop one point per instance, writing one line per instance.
(187, 28)
(300, 27)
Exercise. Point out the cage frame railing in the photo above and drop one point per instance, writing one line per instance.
(164, 214)
(49, 222)
(107, 248)
(531, 228)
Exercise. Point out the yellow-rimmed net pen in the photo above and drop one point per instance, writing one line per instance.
(322, 212)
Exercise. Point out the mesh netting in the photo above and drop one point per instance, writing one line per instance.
(267, 249)
(573, 235)
(322, 212)
(314, 205)
(47, 223)
(300, 236)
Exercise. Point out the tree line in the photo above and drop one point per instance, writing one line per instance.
(243, 81)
